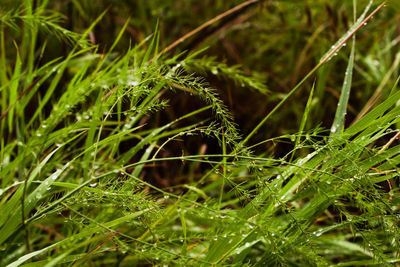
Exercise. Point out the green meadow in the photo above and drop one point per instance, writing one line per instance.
(199, 133)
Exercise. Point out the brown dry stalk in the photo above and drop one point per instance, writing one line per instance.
(206, 24)
(378, 92)
(323, 61)
(19, 97)
(109, 93)
(389, 142)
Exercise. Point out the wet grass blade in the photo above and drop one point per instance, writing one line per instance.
(341, 111)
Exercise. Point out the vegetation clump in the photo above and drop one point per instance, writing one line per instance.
(252, 133)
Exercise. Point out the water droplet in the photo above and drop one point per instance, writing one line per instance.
(133, 83)
(55, 174)
(317, 234)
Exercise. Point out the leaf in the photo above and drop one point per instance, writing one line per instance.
(84, 234)
(338, 122)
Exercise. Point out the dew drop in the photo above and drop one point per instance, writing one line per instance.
(133, 83)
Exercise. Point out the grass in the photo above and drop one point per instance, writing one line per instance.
(244, 143)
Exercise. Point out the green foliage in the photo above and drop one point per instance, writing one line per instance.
(114, 153)
(221, 70)
(394, 4)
